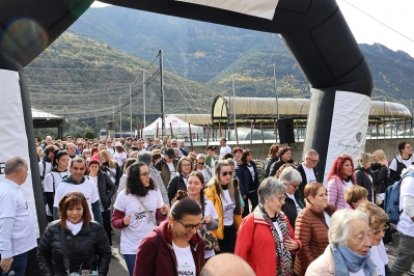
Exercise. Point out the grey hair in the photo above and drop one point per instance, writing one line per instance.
(311, 152)
(268, 188)
(201, 156)
(290, 175)
(340, 228)
(13, 165)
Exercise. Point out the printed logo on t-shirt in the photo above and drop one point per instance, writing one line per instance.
(185, 270)
(229, 207)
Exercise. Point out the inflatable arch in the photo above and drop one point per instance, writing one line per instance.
(314, 30)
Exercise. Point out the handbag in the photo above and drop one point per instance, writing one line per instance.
(210, 240)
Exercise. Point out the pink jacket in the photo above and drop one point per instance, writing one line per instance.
(336, 193)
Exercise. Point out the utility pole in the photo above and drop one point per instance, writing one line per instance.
(277, 95)
(130, 107)
(120, 116)
(143, 97)
(234, 112)
(162, 94)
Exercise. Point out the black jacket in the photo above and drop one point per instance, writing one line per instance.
(88, 249)
(289, 208)
(380, 177)
(300, 192)
(276, 166)
(269, 163)
(247, 184)
(362, 179)
(106, 189)
(176, 183)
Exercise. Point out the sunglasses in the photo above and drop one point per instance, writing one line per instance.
(201, 164)
(226, 173)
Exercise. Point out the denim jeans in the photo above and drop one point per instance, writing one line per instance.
(130, 262)
(18, 266)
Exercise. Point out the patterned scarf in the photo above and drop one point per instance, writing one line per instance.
(283, 257)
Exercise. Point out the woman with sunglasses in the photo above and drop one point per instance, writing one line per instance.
(136, 211)
(378, 224)
(224, 193)
(174, 247)
(74, 244)
(54, 178)
(266, 238)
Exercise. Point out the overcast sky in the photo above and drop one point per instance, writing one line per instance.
(390, 23)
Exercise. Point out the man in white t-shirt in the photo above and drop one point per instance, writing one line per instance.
(17, 234)
(76, 182)
(307, 171)
(405, 226)
(224, 149)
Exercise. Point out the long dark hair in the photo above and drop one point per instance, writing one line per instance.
(185, 206)
(202, 199)
(134, 185)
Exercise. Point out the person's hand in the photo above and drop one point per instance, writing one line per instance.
(6, 264)
(126, 220)
(207, 219)
(291, 245)
(164, 210)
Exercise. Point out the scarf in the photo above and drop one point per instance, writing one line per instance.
(283, 257)
(348, 261)
(74, 228)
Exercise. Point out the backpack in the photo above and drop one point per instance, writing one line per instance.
(392, 199)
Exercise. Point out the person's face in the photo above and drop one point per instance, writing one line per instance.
(93, 169)
(186, 167)
(320, 200)
(407, 149)
(291, 187)
(211, 152)
(201, 164)
(347, 170)
(144, 176)
(77, 171)
(359, 240)
(102, 158)
(194, 185)
(377, 233)
(222, 142)
(274, 203)
(75, 214)
(311, 161)
(187, 227)
(226, 175)
(174, 143)
(287, 155)
(71, 149)
(63, 162)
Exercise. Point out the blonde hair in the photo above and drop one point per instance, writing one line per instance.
(364, 158)
(107, 156)
(379, 155)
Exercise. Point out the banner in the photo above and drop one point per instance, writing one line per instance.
(349, 126)
(259, 8)
(13, 137)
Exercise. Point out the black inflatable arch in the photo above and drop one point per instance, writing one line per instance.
(314, 30)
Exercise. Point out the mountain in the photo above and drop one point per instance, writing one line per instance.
(217, 54)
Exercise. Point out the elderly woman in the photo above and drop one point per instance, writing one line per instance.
(355, 196)
(265, 239)
(348, 250)
(312, 226)
(377, 222)
(291, 178)
(341, 177)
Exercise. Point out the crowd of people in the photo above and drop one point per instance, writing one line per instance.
(176, 210)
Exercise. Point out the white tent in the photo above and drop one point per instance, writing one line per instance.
(180, 128)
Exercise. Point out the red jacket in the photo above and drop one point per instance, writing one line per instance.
(255, 243)
(155, 256)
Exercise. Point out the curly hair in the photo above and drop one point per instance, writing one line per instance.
(134, 185)
(338, 164)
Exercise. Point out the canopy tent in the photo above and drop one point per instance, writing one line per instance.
(180, 128)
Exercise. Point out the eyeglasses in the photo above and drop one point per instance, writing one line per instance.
(201, 164)
(378, 230)
(190, 227)
(144, 174)
(281, 198)
(226, 173)
(313, 160)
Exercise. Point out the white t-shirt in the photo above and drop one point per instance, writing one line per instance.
(53, 176)
(209, 210)
(327, 219)
(94, 180)
(224, 150)
(228, 208)
(358, 273)
(393, 164)
(310, 174)
(405, 224)
(14, 206)
(87, 188)
(379, 257)
(46, 168)
(171, 168)
(185, 261)
(348, 184)
(140, 225)
(251, 170)
(120, 157)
